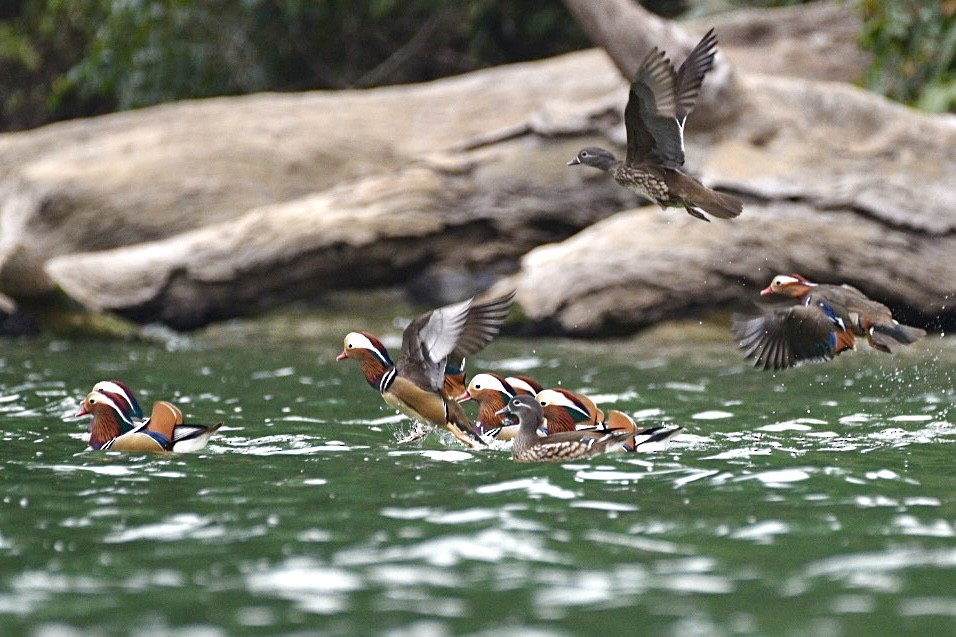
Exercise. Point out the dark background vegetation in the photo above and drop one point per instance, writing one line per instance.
(61, 59)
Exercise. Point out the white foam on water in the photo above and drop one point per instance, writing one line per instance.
(713, 414)
(761, 532)
(912, 418)
(314, 587)
(734, 454)
(532, 486)
(698, 388)
(439, 455)
(105, 470)
(780, 476)
(790, 425)
(173, 528)
(520, 365)
(599, 505)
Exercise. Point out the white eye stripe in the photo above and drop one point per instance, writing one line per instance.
(551, 397)
(97, 397)
(486, 381)
(110, 386)
(517, 383)
(354, 339)
(361, 341)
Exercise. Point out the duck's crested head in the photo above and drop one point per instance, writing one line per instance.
(97, 403)
(122, 394)
(486, 382)
(364, 343)
(793, 285)
(524, 385)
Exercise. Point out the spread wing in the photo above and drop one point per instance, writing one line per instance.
(482, 324)
(691, 74)
(783, 337)
(428, 340)
(650, 116)
(459, 330)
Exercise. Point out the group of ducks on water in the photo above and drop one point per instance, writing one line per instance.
(816, 321)
(428, 382)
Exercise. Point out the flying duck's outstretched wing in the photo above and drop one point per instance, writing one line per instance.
(650, 116)
(690, 75)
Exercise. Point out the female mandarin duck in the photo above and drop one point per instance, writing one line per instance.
(822, 322)
(564, 410)
(658, 104)
(416, 384)
(113, 430)
(531, 446)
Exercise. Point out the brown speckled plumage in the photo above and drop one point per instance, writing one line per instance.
(529, 446)
(659, 102)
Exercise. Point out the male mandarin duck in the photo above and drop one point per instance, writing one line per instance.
(530, 446)
(658, 104)
(113, 430)
(524, 385)
(492, 392)
(416, 384)
(564, 410)
(121, 391)
(123, 396)
(455, 377)
(822, 321)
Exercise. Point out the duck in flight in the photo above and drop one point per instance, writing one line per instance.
(659, 102)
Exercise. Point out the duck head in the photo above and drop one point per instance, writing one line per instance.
(792, 285)
(122, 395)
(594, 157)
(371, 355)
(524, 409)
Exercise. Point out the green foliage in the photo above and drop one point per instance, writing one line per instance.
(80, 57)
(71, 58)
(914, 46)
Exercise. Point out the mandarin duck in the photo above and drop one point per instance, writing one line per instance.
(530, 446)
(659, 101)
(415, 385)
(567, 411)
(455, 377)
(124, 396)
(492, 392)
(113, 430)
(821, 321)
(524, 385)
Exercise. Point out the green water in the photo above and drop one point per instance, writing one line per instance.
(819, 502)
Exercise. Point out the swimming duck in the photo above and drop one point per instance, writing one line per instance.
(565, 410)
(415, 385)
(530, 446)
(113, 430)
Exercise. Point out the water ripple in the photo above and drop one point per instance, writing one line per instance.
(534, 487)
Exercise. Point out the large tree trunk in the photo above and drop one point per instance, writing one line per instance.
(198, 211)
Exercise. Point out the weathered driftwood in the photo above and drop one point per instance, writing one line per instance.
(646, 265)
(204, 210)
